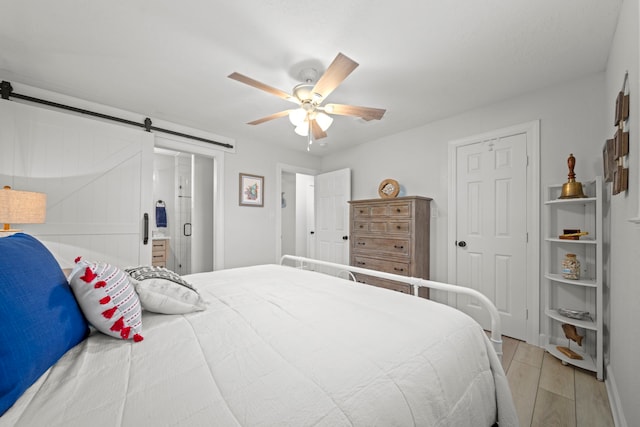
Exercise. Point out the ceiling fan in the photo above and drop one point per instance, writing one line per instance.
(312, 118)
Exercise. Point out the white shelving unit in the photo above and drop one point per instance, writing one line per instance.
(584, 294)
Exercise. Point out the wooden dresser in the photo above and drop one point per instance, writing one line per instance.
(391, 235)
(159, 252)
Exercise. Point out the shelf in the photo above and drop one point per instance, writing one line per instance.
(585, 214)
(589, 283)
(586, 363)
(577, 201)
(579, 242)
(585, 324)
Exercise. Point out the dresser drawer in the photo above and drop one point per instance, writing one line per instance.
(384, 283)
(398, 227)
(361, 211)
(399, 210)
(381, 244)
(388, 266)
(376, 210)
(158, 245)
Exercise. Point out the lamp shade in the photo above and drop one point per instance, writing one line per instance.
(302, 129)
(324, 121)
(22, 207)
(297, 116)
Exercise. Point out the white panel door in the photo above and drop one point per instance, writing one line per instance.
(492, 229)
(310, 220)
(332, 193)
(97, 177)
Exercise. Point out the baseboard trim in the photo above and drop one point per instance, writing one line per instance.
(614, 399)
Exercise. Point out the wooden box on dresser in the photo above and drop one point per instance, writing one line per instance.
(391, 235)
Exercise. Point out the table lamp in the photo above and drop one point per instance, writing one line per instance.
(21, 207)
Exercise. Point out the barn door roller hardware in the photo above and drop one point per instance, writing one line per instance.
(6, 91)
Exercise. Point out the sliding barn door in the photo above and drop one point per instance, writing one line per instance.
(97, 177)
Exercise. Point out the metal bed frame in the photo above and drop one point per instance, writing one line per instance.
(416, 283)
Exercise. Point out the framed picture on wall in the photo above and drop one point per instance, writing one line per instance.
(608, 161)
(251, 190)
(619, 108)
(621, 143)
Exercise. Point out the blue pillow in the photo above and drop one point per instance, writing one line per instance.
(39, 317)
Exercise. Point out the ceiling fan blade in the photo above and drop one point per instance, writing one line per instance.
(271, 117)
(259, 85)
(317, 131)
(366, 113)
(339, 69)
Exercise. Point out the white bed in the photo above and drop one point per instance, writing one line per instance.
(280, 346)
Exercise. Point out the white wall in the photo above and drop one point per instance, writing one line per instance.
(622, 275)
(250, 231)
(570, 122)
(201, 240)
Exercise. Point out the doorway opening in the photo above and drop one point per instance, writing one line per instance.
(184, 199)
(319, 228)
(297, 221)
(295, 217)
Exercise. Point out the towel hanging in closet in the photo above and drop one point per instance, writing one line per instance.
(161, 214)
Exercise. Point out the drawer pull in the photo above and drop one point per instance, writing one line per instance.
(398, 210)
(361, 243)
(361, 211)
(361, 263)
(398, 246)
(361, 226)
(398, 269)
(398, 227)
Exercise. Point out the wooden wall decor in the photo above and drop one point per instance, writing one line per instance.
(616, 149)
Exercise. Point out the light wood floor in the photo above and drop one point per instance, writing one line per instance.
(549, 394)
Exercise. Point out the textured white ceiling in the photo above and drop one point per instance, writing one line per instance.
(422, 60)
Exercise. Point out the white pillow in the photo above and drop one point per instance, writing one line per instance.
(163, 291)
(107, 299)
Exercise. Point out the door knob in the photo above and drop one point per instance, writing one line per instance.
(462, 243)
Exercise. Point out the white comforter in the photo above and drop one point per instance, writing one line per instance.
(279, 346)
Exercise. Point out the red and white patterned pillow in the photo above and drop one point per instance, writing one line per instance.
(108, 299)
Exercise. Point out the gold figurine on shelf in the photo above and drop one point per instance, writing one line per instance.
(571, 189)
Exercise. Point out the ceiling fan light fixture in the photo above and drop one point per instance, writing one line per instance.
(323, 120)
(302, 129)
(312, 119)
(303, 91)
(297, 116)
